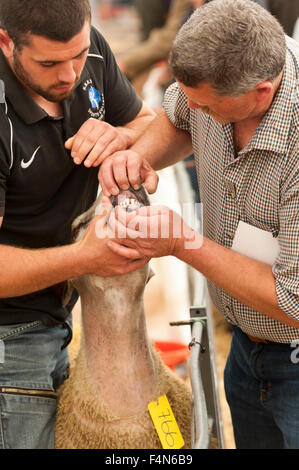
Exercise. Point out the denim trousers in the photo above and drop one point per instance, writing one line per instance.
(262, 389)
(33, 363)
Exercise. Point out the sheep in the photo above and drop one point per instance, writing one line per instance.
(117, 373)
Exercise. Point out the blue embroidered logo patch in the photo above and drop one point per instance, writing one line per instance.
(94, 98)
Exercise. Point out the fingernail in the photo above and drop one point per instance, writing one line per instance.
(87, 163)
(77, 161)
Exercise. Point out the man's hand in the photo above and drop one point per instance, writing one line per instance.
(95, 141)
(93, 250)
(150, 232)
(124, 169)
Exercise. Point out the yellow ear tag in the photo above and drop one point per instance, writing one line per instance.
(165, 424)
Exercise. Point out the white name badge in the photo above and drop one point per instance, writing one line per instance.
(255, 243)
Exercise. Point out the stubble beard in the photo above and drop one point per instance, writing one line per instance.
(24, 77)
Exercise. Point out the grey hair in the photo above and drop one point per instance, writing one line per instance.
(231, 44)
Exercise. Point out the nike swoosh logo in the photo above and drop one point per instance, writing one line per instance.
(27, 164)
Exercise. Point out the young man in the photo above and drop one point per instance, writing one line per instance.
(236, 103)
(62, 99)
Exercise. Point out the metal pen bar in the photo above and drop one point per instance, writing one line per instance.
(200, 422)
(203, 368)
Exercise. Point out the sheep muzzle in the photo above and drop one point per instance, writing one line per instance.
(131, 199)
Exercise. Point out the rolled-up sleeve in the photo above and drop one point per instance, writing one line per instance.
(286, 267)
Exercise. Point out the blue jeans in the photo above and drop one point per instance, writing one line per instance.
(262, 389)
(34, 362)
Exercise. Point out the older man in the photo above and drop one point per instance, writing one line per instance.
(63, 98)
(236, 104)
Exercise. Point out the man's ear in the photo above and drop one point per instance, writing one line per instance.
(6, 44)
(264, 90)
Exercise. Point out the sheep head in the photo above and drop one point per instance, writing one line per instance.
(129, 200)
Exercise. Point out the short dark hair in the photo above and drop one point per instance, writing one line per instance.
(58, 20)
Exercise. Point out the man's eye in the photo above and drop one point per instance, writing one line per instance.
(48, 64)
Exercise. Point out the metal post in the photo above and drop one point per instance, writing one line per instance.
(205, 369)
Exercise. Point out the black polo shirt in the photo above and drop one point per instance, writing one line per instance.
(41, 190)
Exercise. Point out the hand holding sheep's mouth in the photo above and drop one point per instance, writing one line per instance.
(92, 234)
(150, 232)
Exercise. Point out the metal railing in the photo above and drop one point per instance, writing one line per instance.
(207, 421)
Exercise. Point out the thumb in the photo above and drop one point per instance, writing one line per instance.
(104, 209)
(68, 144)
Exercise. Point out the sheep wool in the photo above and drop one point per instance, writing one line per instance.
(84, 421)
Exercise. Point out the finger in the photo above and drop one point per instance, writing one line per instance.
(128, 243)
(117, 144)
(117, 227)
(120, 172)
(149, 177)
(121, 250)
(103, 211)
(147, 222)
(122, 225)
(108, 140)
(143, 212)
(134, 265)
(74, 142)
(152, 211)
(123, 216)
(133, 171)
(105, 204)
(133, 223)
(84, 144)
(112, 169)
(106, 180)
(91, 127)
(103, 187)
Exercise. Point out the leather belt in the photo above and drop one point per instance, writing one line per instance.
(257, 340)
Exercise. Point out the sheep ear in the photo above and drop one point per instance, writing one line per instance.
(151, 274)
(67, 294)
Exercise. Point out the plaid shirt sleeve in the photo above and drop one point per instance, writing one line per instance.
(176, 107)
(286, 268)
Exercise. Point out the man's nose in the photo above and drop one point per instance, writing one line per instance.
(67, 73)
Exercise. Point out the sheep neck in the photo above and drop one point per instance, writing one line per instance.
(116, 347)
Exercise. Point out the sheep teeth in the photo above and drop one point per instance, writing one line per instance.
(130, 204)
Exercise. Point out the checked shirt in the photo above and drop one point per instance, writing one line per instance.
(259, 185)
